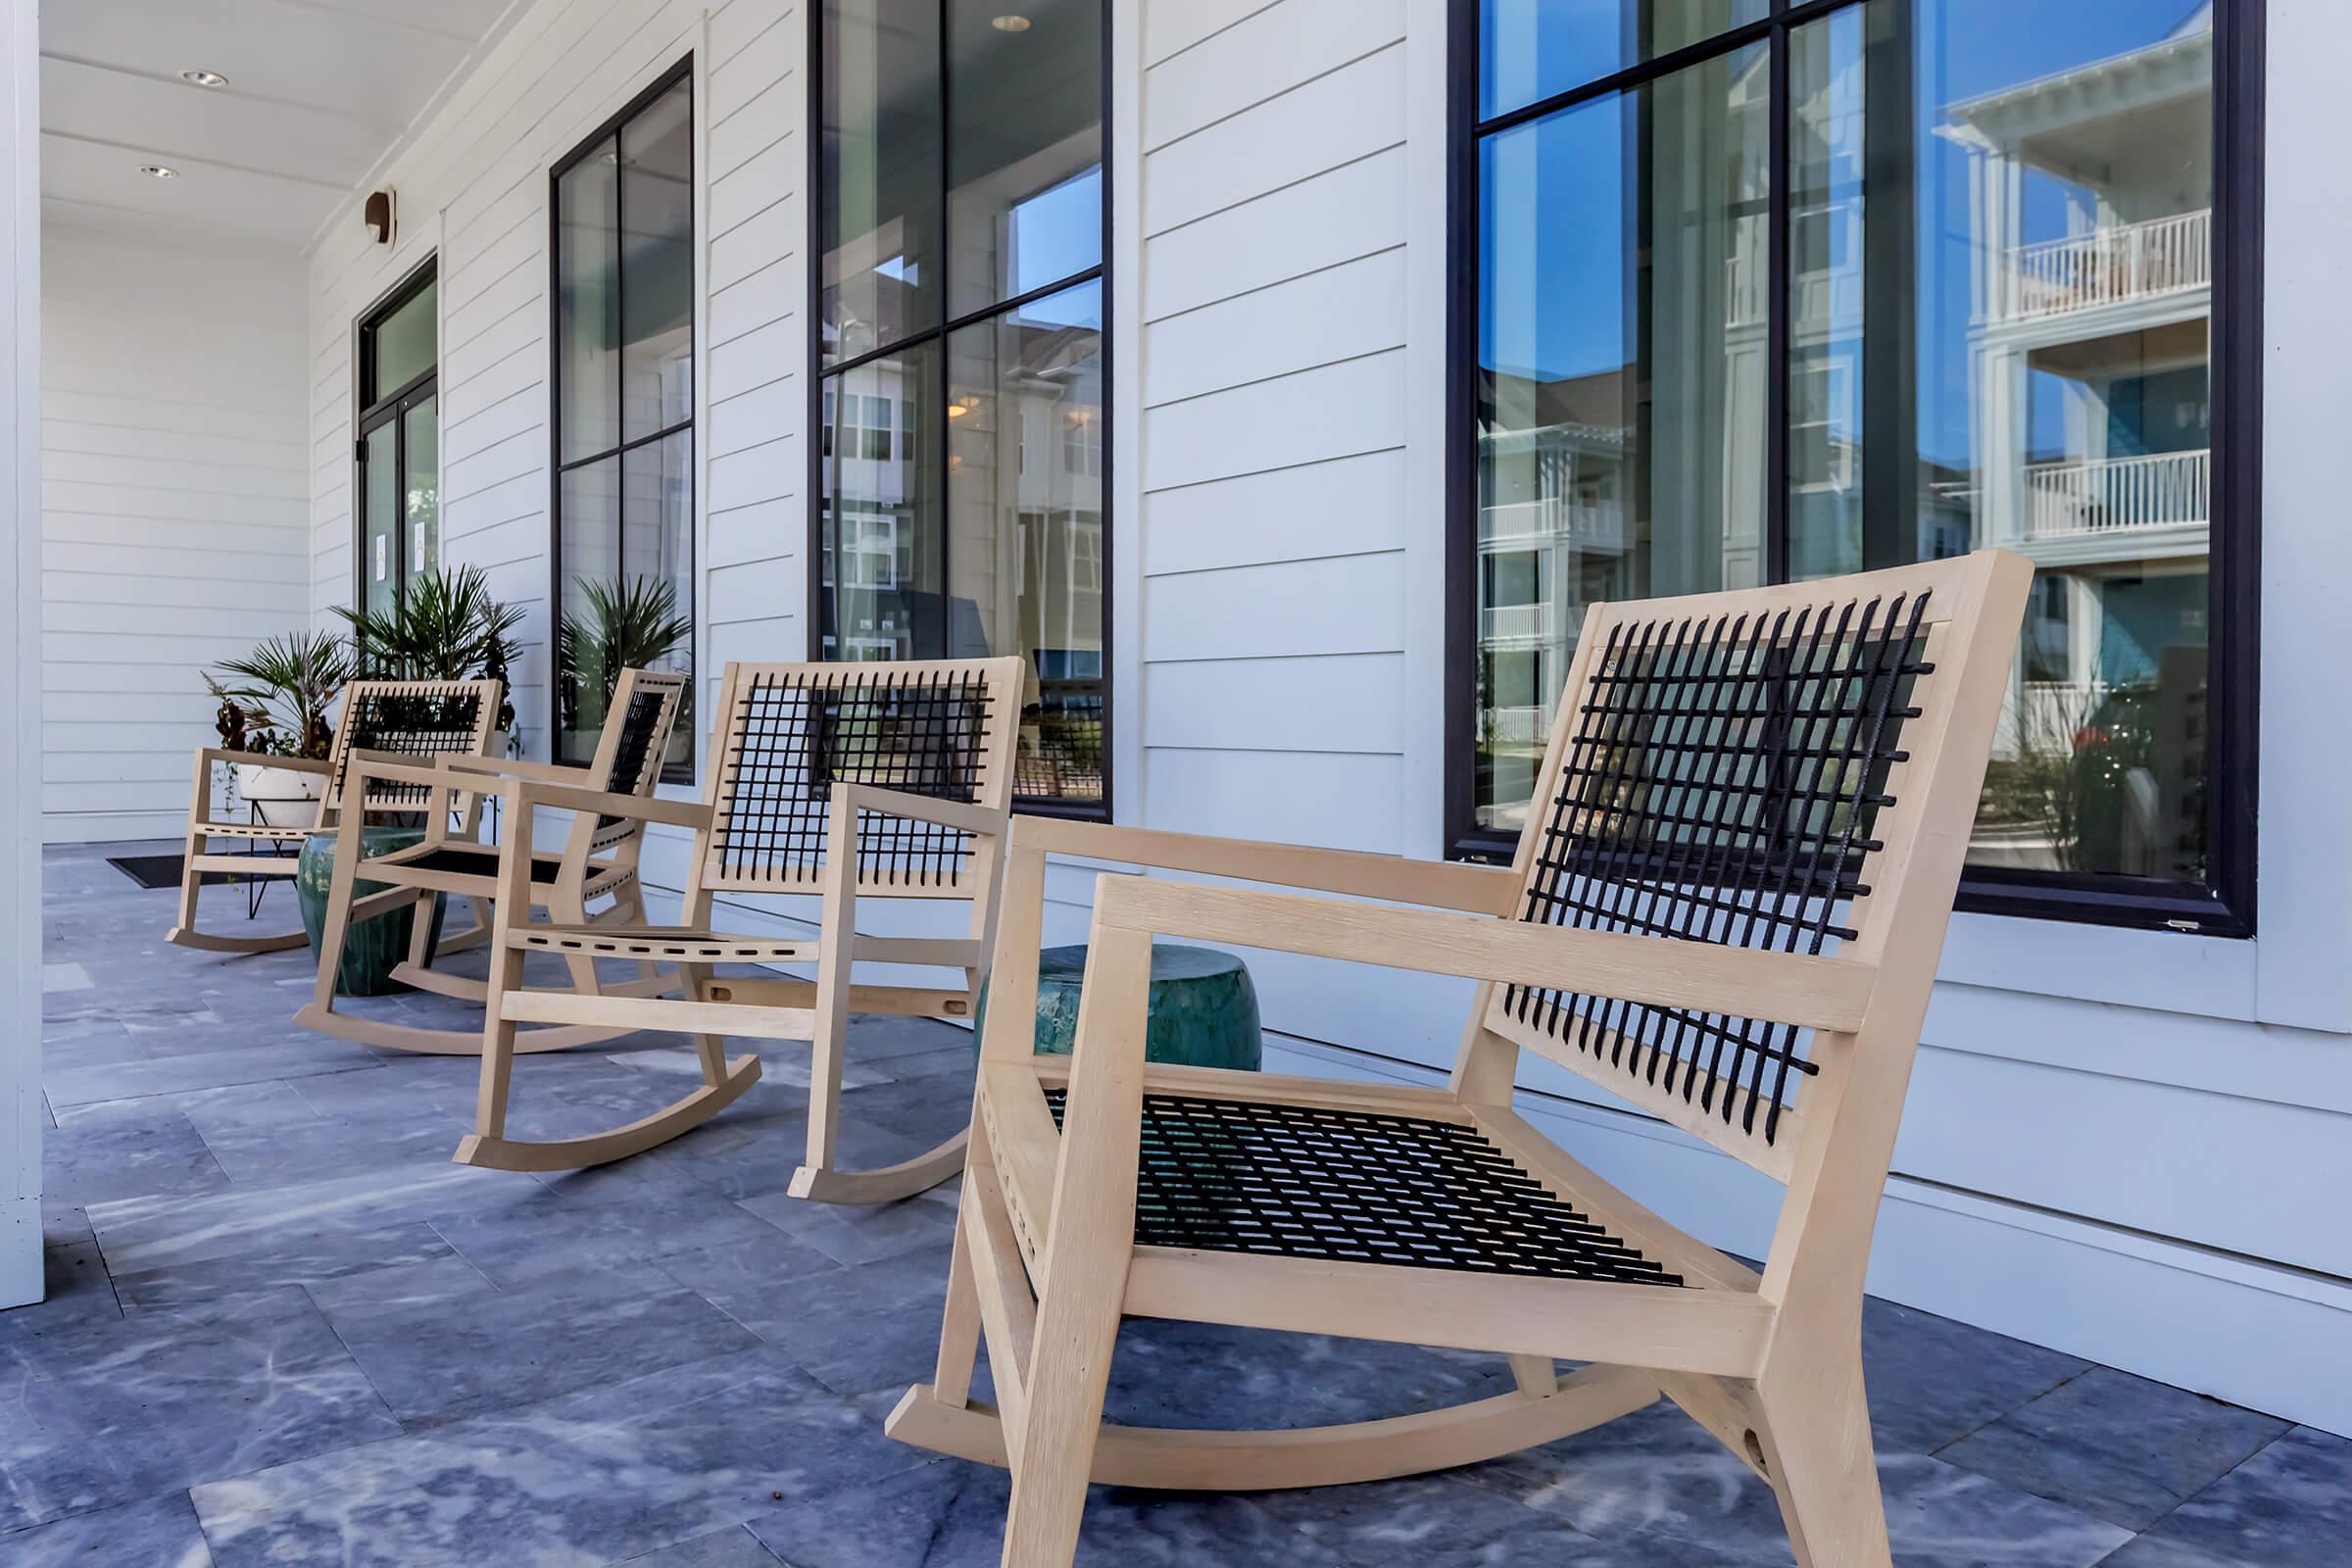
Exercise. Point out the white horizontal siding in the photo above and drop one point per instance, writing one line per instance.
(473, 183)
(176, 464)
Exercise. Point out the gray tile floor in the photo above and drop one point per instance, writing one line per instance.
(284, 1329)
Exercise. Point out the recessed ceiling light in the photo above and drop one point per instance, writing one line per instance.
(1011, 24)
(204, 79)
(159, 170)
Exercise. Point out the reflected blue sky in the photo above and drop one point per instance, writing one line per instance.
(1572, 216)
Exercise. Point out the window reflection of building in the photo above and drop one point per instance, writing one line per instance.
(959, 214)
(2091, 202)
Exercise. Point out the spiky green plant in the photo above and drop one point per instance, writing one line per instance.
(446, 626)
(629, 623)
(277, 704)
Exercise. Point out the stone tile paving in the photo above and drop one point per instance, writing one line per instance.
(284, 1329)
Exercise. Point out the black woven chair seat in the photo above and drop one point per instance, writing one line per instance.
(462, 861)
(1353, 1186)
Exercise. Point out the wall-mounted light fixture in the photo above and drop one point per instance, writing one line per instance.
(378, 214)
(1009, 23)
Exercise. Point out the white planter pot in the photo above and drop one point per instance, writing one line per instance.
(258, 781)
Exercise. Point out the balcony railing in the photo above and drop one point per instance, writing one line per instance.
(1514, 622)
(2108, 266)
(2069, 499)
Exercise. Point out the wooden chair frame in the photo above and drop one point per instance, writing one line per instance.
(736, 851)
(1768, 1363)
(599, 861)
(204, 826)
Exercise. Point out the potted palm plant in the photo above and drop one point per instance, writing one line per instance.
(274, 702)
(630, 624)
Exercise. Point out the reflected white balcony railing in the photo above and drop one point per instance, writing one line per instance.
(2109, 265)
(1499, 624)
(2068, 498)
(1514, 726)
(1551, 520)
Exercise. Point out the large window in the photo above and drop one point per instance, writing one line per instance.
(624, 217)
(961, 464)
(1755, 291)
(397, 524)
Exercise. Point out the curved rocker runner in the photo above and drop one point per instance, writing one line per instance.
(852, 783)
(1749, 828)
(421, 719)
(599, 861)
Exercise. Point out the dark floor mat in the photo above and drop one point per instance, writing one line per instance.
(163, 870)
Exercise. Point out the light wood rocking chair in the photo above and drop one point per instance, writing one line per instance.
(1736, 785)
(411, 718)
(911, 764)
(599, 861)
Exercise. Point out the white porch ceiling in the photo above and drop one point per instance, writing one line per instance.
(318, 91)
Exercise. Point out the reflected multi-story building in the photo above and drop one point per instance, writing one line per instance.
(2090, 212)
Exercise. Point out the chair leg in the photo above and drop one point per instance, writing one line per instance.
(960, 1324)
(1070, 1370)
(837, 943)
(571, 911)
(1814, 1444)
(694, 980)
(498, 1041)
(341, 889)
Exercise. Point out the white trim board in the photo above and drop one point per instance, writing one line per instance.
(2139, 1302)
(23, 1112)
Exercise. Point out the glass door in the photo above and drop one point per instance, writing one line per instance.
(399, 454)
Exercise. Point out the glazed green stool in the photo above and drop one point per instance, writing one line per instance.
(371, 949)
(1204, 1011)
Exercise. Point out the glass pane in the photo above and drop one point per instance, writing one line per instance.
(588, 305)
(402, 343)
(420, 486)
(379, 518)
(881, 519)
(1024, 148)
(2064, 287)
(590, 563)
(1532, 49)
(653, 624)
(656, 295)
(879, 173)
(1025, 522)
(1621, 407)
(1826, 371)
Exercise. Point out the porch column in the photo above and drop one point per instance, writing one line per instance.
(20, 1113)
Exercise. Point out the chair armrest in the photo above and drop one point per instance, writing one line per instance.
(398, 767)
(1438, 884)
(1799, 989)
(515, 767)
(526, 793)
(207, 754)
(920, 808)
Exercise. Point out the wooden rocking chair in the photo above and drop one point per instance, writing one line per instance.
(1738, 783)
(597, 861)
(910, 763)
(411, 718)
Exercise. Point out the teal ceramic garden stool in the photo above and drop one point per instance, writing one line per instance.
(1204, 1008)
(372, 948)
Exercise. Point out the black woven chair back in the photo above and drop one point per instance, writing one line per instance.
(1717, 780)
(935, 729)
(411, 718)
(644, 714)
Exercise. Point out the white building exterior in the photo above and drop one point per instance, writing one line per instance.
(2129, 1144)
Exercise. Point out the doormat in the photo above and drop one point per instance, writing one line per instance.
(163, 870)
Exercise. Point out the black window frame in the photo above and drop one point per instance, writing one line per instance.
(597, 141)
(392, 407)
(822, 375)
(2226, 904)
